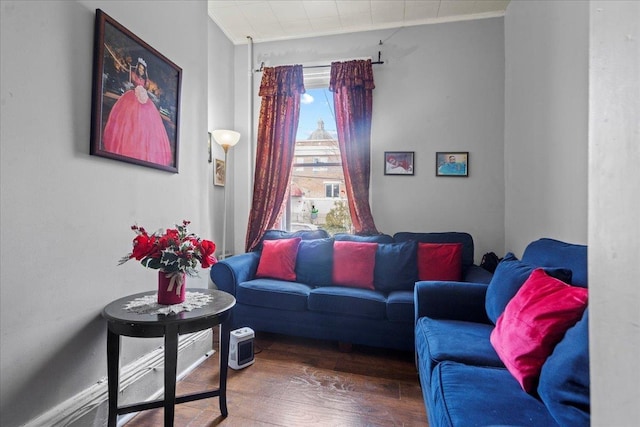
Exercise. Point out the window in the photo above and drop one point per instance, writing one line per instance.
(315, 196)
(332, 189)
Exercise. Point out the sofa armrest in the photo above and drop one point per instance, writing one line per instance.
(477, 274)
(227, 274)
(450, 300)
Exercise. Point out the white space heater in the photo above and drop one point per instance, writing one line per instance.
(241, 348)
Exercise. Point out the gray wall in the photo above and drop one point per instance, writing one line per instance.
(614, 228)
(571, 155)
(65, 214)
(221, 101)
(441, 88)
(546, 119)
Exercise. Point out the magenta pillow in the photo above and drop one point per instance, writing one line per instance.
(440, 261)
(533, 322)
(354, 263)
(278, 259)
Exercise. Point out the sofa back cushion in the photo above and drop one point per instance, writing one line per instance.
(354, 263)
(395, 266)
(446, 237)
(534, 322)
(278, 259)
(564, 381)
(440, 261)
(554, 253)
(509, 276)
(314, 265)
(376, 238)
(282, 234)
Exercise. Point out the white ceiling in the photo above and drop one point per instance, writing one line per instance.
(291, 19)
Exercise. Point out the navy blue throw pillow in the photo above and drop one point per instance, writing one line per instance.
(509, 276)
(564, 380)
(314, 265)
(396, 266)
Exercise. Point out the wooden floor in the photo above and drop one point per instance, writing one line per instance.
(302, 382)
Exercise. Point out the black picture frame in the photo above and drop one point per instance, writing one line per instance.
(399, 163)
(129, 76)
(452, 163)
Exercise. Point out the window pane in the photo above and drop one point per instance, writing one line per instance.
(317, 197)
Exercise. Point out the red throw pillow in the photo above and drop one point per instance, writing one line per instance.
(534, 321)
(278, 259)
(354, 263)
(440, 261)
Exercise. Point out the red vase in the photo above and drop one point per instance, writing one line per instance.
(171, 290)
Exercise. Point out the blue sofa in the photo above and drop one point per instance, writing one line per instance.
(464, 382)
(312, 306)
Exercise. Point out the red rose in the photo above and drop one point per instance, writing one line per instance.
(207, 249)
(143, 246)
(171, 237)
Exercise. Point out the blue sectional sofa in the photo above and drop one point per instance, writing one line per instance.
(311, 305)
(464, 380)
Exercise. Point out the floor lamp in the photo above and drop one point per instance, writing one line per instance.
(226, 139)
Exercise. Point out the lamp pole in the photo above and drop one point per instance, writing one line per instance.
(225, 147)
(226, 139)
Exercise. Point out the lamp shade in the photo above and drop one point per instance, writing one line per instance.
(227, 138)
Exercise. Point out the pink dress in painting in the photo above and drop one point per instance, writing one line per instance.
(135, 129)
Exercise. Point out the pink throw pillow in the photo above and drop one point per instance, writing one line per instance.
(440, 261)
(533, 322)
(278, 259)
(354, 263)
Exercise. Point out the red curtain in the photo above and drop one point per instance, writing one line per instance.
(352, 85)
(280, 90)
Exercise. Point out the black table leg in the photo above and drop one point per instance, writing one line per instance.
(113, 375)
(225, 332)
(170, 370)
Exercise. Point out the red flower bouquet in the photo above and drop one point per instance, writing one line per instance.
(175, 251)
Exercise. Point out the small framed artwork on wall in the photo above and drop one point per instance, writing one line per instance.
(399, 162)
(219, 173)
(452, 163)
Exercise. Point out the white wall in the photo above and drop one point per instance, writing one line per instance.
(614, 228)
(546, 82)
(221, 101)
(65, 214)
(571, 154)
(441, 88)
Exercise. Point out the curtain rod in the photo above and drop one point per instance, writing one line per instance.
(379, 61)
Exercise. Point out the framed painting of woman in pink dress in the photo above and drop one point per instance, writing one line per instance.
(136, 99)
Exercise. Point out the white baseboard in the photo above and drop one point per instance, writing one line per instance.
(140, 381)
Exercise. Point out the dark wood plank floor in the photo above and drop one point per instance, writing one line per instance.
(303, 382)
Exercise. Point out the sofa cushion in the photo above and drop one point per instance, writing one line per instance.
(400, 307)
(395, 266)
(564, 379)
(348, 301)
(440, 261)
(273, 294)
(465, 395)
(278, 259)
(533, 322)
(509, 276)
(554, 253)
(376, 238)
(282, 234)
(314, 265)
(445, 237)
(438, 340)
(354, 263)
